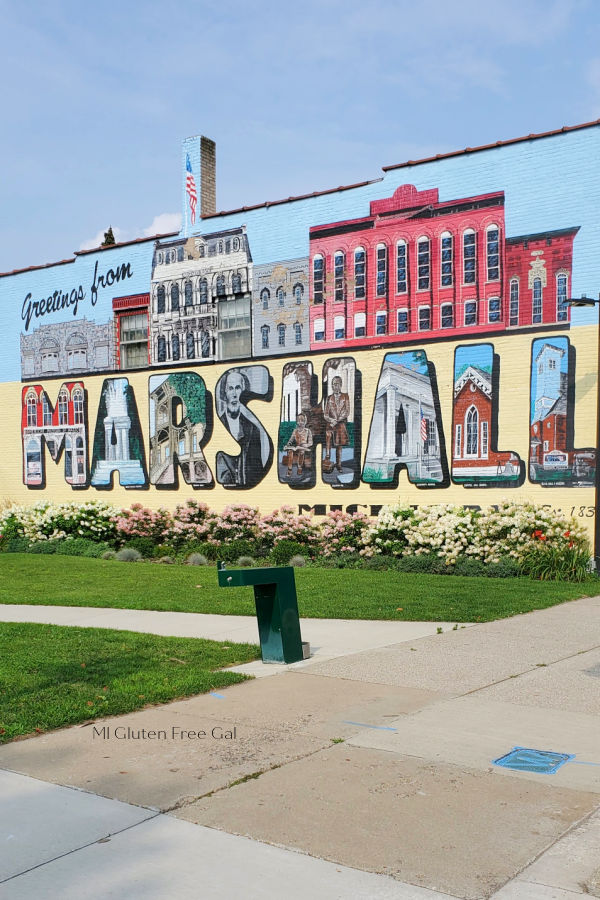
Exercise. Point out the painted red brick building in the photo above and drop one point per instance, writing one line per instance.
(415, 265)
(58, 428)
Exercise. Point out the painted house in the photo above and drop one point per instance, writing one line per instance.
(60, 428)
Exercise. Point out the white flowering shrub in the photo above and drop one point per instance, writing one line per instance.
(450, 532)
(45, 521)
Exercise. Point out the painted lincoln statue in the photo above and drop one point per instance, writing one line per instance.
(335, 413)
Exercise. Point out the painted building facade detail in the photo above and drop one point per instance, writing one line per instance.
(280, 308)
(76, 346)
(61, 429)
(201, 307)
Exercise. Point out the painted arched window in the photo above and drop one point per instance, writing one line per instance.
(78, 406)
(339, 276)
(319, 329)
(472, 431)
(49, 352)
(236, 243)
(79, 457)
(264, 337)
(562, 310)
(190, 350)
(513, 312)
(180, 254)
(46, 410)
(281, 335)
(401, 267)
(537, 301)
(161, 349)
(280, 294)
(381, 284)
(31, 411)
(447, 315)
(360, 324)
(339, 328)
(175, 352)
(236, 283)
(318, 278)
(203, 290)
(424, 263)
(446, 261)
(360, 273)
(188, 294)
(492, 243)
(494, 309)
(265, 296)
(469, 256)
(174, 297)
(205, 344)
(68, 457)
(160, 299)
(63, 408)
(298, 332)
(424, 318)
(220, 285)
(298, 293)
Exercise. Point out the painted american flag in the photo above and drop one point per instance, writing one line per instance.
(190, 188)
(423, 424)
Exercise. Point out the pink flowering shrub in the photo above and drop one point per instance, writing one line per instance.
(236, 522)
(343, 532)
(138, 521)
(190, 522)
(284, 525)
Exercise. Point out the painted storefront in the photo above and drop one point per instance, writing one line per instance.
(402, 338)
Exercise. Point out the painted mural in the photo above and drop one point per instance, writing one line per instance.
(233, 391)
(118, 441)
(392, 337)
(405, 429)
(476, 461)
(552, 458)
(180, 424)
(331, 423)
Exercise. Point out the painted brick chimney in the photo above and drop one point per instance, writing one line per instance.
(198, 181)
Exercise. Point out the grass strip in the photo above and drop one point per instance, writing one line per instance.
(322, 593)
(51, 675)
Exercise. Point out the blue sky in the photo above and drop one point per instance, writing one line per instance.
(298, 97)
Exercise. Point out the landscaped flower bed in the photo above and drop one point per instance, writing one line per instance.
(511, 538)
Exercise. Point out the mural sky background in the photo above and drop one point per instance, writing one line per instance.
(297, 98)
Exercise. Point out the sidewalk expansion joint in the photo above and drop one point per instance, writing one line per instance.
(251, 776)
(528, 671)
(99, 840)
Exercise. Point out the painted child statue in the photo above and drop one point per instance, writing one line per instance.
(299, 444)
(336, 412)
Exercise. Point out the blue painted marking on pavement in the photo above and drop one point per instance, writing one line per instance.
(580, 762)
(220, 696)
(364, 725)
(526, 759)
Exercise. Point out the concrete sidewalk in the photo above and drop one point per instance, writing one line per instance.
(378, 760)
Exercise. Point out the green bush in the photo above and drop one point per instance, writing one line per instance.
(144, 545)
(43, 547)
(158, 550)
(297, 561)
(230, 551)
(548, 562)
(109, 554)
(246, 562)
(465, 565)
(209, 551)
(284, 550)
(505, 568)
(166, 560)
(81, 547)
(379, 563)
(14, 545)
(423, 562)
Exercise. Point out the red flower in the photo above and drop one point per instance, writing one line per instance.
(567, 534)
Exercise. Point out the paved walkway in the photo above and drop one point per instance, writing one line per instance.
(365, 773)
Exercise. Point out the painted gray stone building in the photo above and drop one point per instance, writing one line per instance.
(65, 347)
(280, 308)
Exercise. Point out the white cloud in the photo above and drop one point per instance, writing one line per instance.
(163, 224)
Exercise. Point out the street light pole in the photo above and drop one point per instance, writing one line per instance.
(589, 302)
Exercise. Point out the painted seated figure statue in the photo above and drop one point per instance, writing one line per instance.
(299, 446)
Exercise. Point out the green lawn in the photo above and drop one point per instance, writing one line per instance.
(322, 593)
(52, 676)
